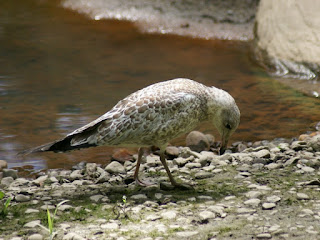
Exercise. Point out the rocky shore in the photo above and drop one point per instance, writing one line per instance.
(264, 190)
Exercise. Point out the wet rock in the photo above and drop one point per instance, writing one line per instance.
(6, 181)
(197, 141)
(10, 173)
(115, 168)
(3, 165)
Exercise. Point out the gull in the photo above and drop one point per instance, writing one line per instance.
(153, 116)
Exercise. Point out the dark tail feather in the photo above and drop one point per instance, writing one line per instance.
(62, 145)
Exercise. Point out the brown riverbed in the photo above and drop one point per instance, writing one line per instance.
(60, 70)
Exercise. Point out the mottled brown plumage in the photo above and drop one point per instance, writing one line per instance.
(153, 116)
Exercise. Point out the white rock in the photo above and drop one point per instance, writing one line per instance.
(307, 211)
(6, 181)
(206, 215)
(73, 236)
(152, 217)
(115, 167)
(35, 236)
(273, 199)
(264, 153)
(193, 165)
(302, 196)
(169, 214)
(187, 234)
(253, 202)
(254, 194)
(31, 210)
(264, 236)
(308, 169)
(271, 166)
(268, 206)
(110, 226)
(32, 224)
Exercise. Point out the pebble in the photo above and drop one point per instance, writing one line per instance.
(115, 168)
(32, 224)
(22, 198)
(302, 196)
(254, 194)
(264, 236)
(6, 181)
(264, 153)
(96, 198)
(169, 214)
(31, 210)
(273, 199)
(268, 206)
(308, 169)
(203, 175)
(253, 202)
(73, 236)
(187, 234)
(35, 236)
(272, 166)
(110, 226)
(139, 197)
(206, 215)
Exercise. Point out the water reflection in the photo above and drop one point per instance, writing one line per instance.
(61, 70)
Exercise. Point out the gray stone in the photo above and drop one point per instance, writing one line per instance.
(152, 217)
(206, 215)
(152, 161)
(115, 168)
(91, 169)
(22, 198)
(197, 141)
(139, 197)
(264, 236)
(172, 151)
(302, 196)
(76, 174)
(264, 153)
(32, 224)
(187, 234)
(169, 214)
(96, 198)
(254, 194)
(31, 210)
(6, 181)
(268, 206)
(72, 236)
(35, 236)
(272, 166)
(308, 169)
(253, 202)
(307, 211)
(314, 143)
(203, 175)
(10, 173)
(180, 161)
(298, 145)
(110, 226)
(245, 210)
(273, 199)
(40, 180)
(193, 165)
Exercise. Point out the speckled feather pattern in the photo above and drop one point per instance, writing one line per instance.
(154, 115)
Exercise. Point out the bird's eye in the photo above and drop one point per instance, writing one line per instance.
(228, 126)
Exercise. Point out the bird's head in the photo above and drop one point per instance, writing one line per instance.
(225, 116)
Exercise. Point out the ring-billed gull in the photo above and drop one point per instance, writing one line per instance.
(153, 116)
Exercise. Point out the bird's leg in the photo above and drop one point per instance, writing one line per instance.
(136, 173)
(173, 182)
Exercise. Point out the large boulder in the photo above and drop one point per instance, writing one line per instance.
(287, 37)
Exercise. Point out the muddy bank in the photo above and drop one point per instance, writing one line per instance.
(217, 19)
(269, 190)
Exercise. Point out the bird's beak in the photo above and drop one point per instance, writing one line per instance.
(224, 144)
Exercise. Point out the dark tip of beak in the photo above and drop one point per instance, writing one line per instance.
(222, 150)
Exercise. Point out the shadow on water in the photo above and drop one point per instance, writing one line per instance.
(60, 70)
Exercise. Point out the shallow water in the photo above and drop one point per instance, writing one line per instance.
(60, 70)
